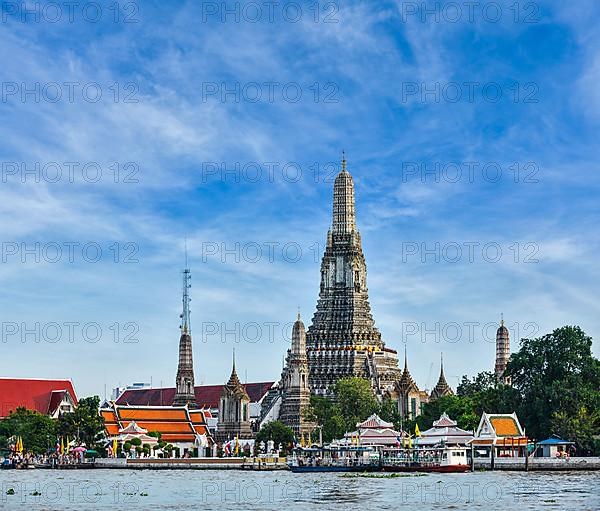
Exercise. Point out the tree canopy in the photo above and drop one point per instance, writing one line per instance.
(38, 431)
(85, 423)
(278, 432)
(557, 380)
(555, 389)
(353, 402)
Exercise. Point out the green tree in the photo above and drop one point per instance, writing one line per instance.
(85, 423)
(278, 432)
(353, 401)
(580, 426)
(388, 411)
(38, 431)
(322, 411)
(484, 381)
(557, 378)
(460, 408)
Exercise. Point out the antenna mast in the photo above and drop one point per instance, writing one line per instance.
(187, 284)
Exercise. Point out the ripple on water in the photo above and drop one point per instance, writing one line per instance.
(220, 490)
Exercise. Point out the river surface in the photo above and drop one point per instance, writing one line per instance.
(282, 490)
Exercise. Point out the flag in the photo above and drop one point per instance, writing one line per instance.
(237, 446)
(417, 430)
(115, 447)
(409, 442)
(62, 445)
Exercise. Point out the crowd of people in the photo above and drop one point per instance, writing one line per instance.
(30, 460)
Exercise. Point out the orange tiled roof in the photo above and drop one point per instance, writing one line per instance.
(505, 426)
(171, 427)
(110, 422)
(147, 413)
(173, 423)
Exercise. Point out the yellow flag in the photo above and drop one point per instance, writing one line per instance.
(410, 442)
(417, 430)
(62, 445)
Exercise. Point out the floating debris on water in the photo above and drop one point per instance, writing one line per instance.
(383, 476)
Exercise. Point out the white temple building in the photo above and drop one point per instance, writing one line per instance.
(445, 432)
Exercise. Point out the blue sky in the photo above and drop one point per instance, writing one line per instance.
(364, 70)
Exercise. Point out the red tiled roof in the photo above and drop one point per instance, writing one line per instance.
(33, 394)
(207, 396)
(374, 422)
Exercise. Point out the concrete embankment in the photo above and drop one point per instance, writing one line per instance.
(194, 463)
(538, 464)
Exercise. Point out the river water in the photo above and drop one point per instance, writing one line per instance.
(220, 490)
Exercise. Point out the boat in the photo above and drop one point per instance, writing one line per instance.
(425, 459)
(334, 459)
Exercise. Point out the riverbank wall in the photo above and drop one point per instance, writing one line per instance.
(537, 464)
(266, 463)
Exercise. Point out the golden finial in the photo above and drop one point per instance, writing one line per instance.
(298, 312)
(502, 319)
(343, 160)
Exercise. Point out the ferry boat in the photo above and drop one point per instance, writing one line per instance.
(335, 459)
(425, 459)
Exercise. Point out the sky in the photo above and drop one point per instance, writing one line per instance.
(127, 134)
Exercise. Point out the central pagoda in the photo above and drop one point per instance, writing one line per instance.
(343, 340)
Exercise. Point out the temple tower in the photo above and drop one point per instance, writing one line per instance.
(294, 383)
(184, 381)
(441, 388)
(502, 352)
(234, 410)
(407, 394)
(342, 339)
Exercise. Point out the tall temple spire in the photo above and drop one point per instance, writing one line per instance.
(233, 379)
(234, 408)
(294, 384)
(442, 388)
(184, 381)
(299, 338)
(342, 339)
(502, 351)
(344, 214)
